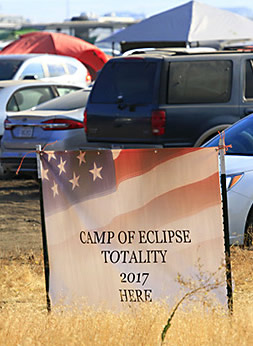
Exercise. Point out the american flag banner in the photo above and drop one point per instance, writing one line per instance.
(122, 224)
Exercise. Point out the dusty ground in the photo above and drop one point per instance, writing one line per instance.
(20, 221)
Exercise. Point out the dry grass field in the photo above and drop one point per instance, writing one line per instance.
(23, 315)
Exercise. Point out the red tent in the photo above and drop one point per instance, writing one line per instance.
(61, 44)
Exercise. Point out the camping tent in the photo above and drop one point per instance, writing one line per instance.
(61, 44)
(193, 23)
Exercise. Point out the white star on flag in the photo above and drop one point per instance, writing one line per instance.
(54, 188)
(44, 173)
(61, 166)
(51, 155)
(74, 181)
(81, 157)
(96, 172)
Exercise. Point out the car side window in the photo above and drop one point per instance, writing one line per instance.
(199, 81)
(71, 68)
(56, 70)
(33, 69)
(249, 80)
(29, 97)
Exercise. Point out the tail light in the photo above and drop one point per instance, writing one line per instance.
(8, 125)
(158, 121)
(88, 78)
(61, 124)
(85, 121)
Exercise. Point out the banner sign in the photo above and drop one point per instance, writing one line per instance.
(122, 224)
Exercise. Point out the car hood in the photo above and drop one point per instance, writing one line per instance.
(238, 163)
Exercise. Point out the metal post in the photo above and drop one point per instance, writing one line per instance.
(225, 223)
(43, 229)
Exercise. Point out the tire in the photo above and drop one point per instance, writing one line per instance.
(248, 233)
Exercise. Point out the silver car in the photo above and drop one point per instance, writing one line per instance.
(239, 176)
(16, 96)
(57, 124)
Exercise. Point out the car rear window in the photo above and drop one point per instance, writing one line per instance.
(8, 68)
(200, 81)
(68, 102)
(130, 81)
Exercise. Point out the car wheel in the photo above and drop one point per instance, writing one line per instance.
(248, 234)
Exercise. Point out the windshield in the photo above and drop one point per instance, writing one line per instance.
(239, 136)
(8, 68)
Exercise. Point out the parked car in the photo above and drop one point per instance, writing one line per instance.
(239, 175)
(46, 67)
(167, 98)
(16, 96)
(58, 122)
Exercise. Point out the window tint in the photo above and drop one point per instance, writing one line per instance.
(199, 81)
(249, 79)
(66, 90)
(128, 82)
(56, 70)
(8, 68)
(33, 69)
(28, 98)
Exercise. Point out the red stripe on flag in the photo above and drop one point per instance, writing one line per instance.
(131, 163)
(174, 205)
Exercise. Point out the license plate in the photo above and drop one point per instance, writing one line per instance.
(24, 132)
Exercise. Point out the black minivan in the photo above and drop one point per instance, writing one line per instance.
(165, 99)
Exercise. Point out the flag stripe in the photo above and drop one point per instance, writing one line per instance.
(131, 163)
(179, 203)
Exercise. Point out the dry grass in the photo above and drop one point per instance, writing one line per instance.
(25, 321)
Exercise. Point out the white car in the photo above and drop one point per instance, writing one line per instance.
(239, 176)
(57, 123)
(16, 96)
(46, 67)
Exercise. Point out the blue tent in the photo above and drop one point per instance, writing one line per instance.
(193, 23)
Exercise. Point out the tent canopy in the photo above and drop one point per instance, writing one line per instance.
(192, 22)
(61, 44)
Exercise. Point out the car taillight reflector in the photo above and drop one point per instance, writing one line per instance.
(88, 78)
(8, 125)
(158, 121)
(85, 121)
(61, 124)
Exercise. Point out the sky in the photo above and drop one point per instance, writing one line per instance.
(47, 11)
